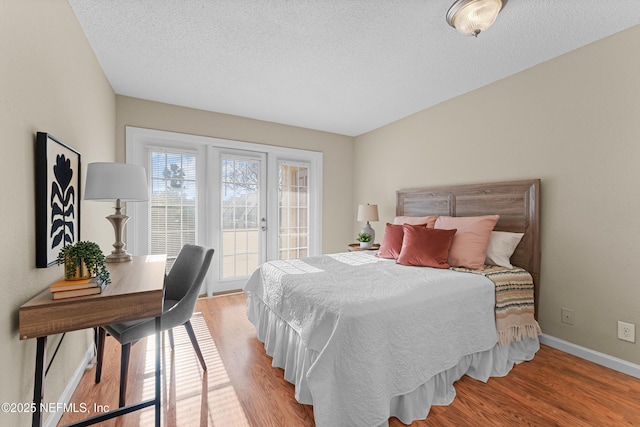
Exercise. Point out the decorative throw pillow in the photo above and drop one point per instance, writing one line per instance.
(426, 247)
(470, 242)
(501, 246)
(391, 242)
(428, 221)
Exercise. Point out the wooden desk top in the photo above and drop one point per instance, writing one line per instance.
(136, 291)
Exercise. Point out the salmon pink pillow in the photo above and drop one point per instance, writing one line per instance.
(391, 242)
(470, 241)
(428, 221)
(425, 247)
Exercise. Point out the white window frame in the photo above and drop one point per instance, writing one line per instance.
(137, 142)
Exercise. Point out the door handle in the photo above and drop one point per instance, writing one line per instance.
(264, 224)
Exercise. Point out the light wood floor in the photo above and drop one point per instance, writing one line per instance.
(241, 388)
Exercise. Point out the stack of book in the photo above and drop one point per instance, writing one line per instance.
(76, 288)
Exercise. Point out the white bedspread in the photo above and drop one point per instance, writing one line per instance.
(380, 329)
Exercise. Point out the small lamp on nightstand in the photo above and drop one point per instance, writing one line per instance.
(119, 182)
(368, 213)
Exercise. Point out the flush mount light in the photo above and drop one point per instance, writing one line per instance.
(470, 17)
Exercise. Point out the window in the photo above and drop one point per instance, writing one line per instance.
(172, 202)
(293, 210)
(249, 202)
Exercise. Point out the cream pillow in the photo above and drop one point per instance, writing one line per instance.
(502, 244)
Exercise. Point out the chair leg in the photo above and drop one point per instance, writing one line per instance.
(170, 332)
(194, 342)
(124, 371)
(101, 336)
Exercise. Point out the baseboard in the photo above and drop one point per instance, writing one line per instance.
(53, 419)
(592, 355)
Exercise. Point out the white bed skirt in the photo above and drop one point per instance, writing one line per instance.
(284, 345)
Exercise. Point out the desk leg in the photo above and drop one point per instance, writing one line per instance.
(158, 367)
(38, 387)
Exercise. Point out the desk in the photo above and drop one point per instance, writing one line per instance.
(136, 292)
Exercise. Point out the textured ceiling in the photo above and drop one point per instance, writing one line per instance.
(343, 66)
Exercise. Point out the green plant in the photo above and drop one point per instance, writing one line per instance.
(364, 237)
(73, 256)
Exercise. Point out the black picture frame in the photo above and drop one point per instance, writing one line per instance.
(58, 173)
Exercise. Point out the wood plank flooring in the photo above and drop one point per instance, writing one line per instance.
(241, 388)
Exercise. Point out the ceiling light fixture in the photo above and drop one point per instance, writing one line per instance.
(470, 17)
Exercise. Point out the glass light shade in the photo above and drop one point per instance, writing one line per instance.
(470, 17)
(368, 213)
(112, 181)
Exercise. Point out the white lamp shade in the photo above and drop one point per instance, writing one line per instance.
(112, 181)
(368, 213)
(470, 17)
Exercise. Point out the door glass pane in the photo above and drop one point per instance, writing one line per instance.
(293, 210)
(173, 202)
(240, 202)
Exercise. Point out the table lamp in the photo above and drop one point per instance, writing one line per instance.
(119, 182)
(368, 213)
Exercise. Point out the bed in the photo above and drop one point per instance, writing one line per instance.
(364, 338)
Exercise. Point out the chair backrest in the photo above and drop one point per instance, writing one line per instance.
(185, 279)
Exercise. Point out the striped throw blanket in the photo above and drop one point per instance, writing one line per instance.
(514, 302)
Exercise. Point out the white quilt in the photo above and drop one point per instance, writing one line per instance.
(381, 329)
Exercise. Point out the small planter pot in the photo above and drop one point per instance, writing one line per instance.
(82, 272)
(83, 260)
(366, 244)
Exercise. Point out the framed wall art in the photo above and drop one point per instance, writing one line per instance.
(57, 197)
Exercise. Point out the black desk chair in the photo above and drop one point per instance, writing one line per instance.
(182, 286)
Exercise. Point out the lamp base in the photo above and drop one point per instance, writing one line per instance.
(120, 257)
(118, 254)
(370, 231)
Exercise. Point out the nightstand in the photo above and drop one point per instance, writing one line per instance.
(356, 247)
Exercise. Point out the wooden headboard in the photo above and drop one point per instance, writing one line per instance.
(517, 203)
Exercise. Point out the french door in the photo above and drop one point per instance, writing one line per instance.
(250, 202)
(239, 229)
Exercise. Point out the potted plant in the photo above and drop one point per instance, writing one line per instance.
(365, 240)
(83, 260)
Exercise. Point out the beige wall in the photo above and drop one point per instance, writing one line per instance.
(50, 81)
(338, 208)
(574, 122)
